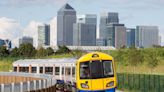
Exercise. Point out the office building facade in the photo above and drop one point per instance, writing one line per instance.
(43, 35)
(66, 16)
(25, 40)
(84, 31)
(106, 19)
(116, 35)
(130, 37)
(147, 36)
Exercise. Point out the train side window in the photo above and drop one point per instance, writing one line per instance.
(48, 70)
(68, 70)
(15, 69)
(41, 69)
(73, 71)
(62, 70)
(57, 70)
(33, 70)
(24, 69)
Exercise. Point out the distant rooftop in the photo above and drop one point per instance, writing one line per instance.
(66, 7)
(36, 62)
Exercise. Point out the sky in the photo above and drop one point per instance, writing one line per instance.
(20, 17)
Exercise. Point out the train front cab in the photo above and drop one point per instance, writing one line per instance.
(96, 73)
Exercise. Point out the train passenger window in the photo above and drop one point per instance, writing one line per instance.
(73, 71)
(48, 70)
(62, 70)
(57, 70)
(108, 69)
(15, 69)
(68, 70)
(96, 69)
(84, 70)
(33, 70)
(24, 69)
(41, 69)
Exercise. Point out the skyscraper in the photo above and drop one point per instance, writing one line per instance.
(84, 31)
(87, 19)
(116, 35)
(146, 36)
(26, 40)
(66, 16)
(43, 35)
(130, 37)
(106, 19)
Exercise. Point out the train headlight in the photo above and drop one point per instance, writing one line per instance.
(110, 84)
(83, 85)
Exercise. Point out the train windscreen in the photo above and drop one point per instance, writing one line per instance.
(96, 69)
(108, 69)
(84, 70)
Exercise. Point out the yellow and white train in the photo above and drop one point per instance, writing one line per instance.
(93, 72)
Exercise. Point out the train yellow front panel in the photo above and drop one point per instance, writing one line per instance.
(107, 81)
(97, 84)
(85, 83)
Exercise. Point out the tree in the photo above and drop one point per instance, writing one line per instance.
(27, 50)
(77, 53)
(50, 51)
(42, 52)
(14, 52)
(3, 51)
(63, 49)
(152, 59)
(134, 57)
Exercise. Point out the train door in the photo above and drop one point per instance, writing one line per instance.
(96, 75)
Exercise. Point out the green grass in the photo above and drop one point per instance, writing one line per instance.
(6, 65)
(141, 69)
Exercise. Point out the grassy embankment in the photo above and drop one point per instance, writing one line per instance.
(121, 67)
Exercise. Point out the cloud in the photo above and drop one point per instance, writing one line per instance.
(22, 3)
(10, 29)
(31, 31)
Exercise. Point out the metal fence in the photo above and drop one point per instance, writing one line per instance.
(46, 81)
(141, 82)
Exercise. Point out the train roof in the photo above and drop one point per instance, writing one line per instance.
(98, 55)
(46, 62)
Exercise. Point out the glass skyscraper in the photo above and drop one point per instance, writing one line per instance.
(116, 35)
(146, 36)
(106, 19)
(130, 37)
(84, 32)
(66, 16)
(43, 35)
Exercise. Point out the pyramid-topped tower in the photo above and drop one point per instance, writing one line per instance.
(66, 17)
(66, 7)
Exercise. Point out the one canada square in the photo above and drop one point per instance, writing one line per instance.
(66, 16)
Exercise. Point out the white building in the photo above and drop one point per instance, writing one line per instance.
(147, 36)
